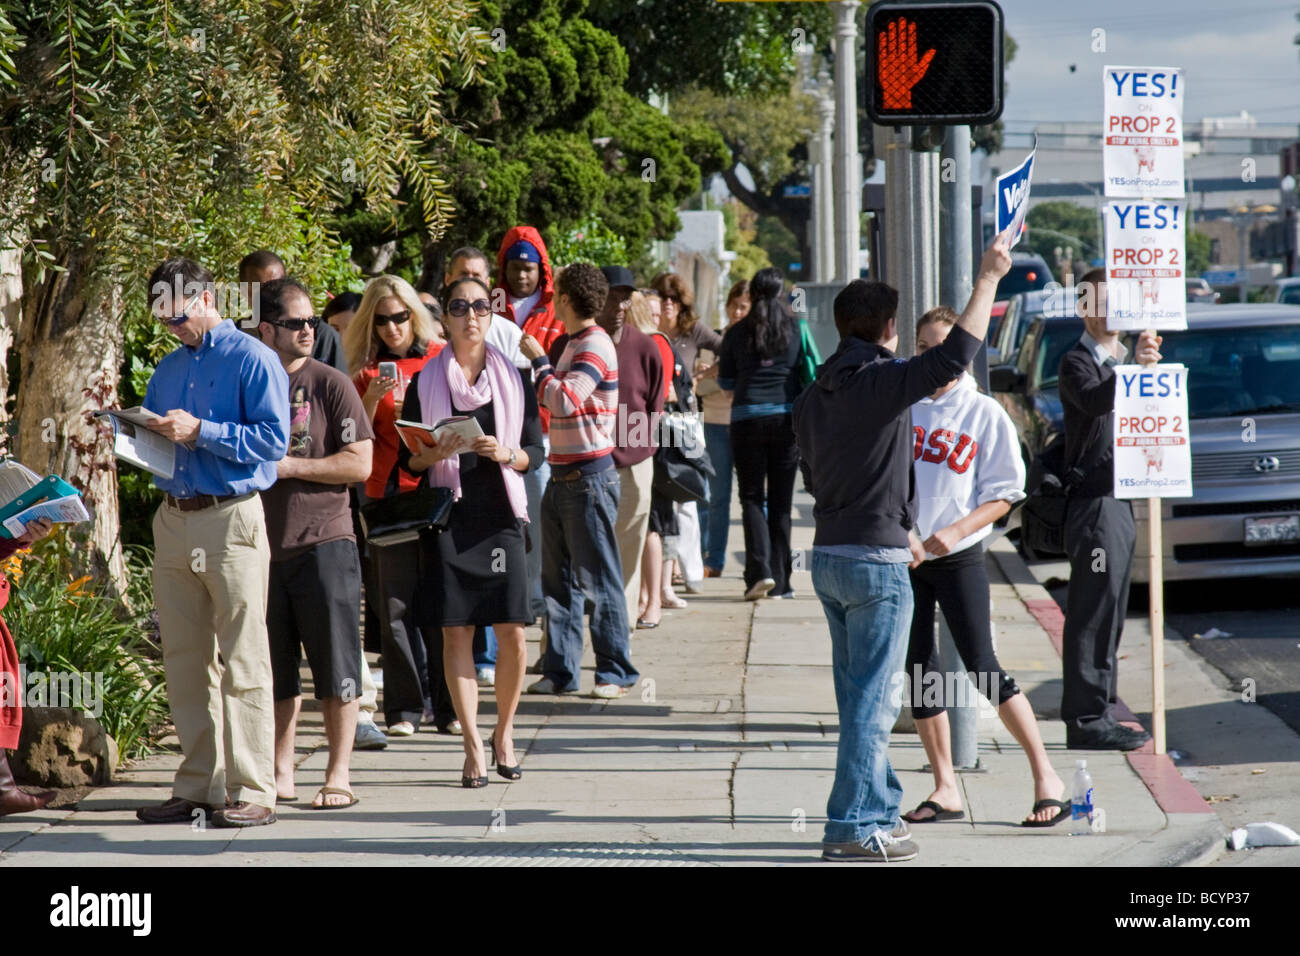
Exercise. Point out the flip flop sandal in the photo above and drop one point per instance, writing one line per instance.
(1062, 805)
(325, 791)
(939, 813)
(644, 625)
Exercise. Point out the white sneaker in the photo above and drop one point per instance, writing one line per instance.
(760, 589)
(368, 737)
(487, 676)
(609, 691)
(403, 728)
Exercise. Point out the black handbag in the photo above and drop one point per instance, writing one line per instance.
(682, 468)
(400, 518)
(1042, 513)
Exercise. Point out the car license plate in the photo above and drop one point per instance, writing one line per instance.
(1276, 529)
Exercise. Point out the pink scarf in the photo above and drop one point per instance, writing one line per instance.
(443, 384)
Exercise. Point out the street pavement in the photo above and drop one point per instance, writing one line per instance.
(724, 754)
(1236, 750)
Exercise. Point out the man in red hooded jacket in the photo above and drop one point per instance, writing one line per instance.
(523, 295)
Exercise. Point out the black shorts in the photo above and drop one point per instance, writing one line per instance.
(314, 603)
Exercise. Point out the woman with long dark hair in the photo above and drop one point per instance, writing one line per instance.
(758, 364)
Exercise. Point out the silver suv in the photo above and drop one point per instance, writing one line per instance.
(1244, 401)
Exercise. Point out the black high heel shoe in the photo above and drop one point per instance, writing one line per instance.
(510, 773)
(474, 783)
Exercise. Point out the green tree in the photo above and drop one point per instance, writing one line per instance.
(1061, 223)
(548, 135)
(745, 49)
(131, 130)
(1198, 252)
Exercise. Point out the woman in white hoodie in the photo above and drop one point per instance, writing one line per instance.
(968, 474)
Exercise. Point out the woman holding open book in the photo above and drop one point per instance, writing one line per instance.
(486, 432)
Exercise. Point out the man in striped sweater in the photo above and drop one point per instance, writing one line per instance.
(580, 557)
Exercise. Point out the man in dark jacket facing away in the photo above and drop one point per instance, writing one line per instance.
(854, 429)
(1099, 532)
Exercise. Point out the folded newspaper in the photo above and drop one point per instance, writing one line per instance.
(136, 444)
(29, 497)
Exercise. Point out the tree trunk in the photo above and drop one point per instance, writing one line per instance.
(71, 349)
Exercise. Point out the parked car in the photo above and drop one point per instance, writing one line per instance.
(1288, 292)
(1198, 290)
(1244, 404)
(1021, 311)
(1028, 272)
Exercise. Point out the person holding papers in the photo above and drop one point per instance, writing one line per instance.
(477, 570)
(228, 395)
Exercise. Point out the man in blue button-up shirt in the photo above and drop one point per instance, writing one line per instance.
(224, 398)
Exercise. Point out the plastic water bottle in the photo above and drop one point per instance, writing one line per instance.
(1081, 801)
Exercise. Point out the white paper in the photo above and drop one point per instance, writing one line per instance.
(140, 447)
(66, 510)
(1146, 270)
(1142, 131)
(15, 478)
(1152, 442)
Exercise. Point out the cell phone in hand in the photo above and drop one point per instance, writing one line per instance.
(388, 370)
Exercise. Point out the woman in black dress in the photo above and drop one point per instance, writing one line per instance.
(476, 572)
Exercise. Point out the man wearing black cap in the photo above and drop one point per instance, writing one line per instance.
(640, 401)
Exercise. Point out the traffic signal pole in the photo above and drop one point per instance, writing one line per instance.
(848, 162)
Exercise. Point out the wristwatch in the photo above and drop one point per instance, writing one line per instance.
(511, 462)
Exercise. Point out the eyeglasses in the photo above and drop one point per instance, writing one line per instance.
(175, 320)
(397, 318)
(460, 307)
(295, 325)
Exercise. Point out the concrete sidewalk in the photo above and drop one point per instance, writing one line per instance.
(724, 755)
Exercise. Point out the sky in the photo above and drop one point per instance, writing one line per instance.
(1233, 57)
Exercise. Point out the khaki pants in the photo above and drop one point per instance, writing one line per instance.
(210, 581)
(630, 526)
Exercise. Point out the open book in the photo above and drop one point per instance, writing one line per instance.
(135, 444)
(418, 435)
(29, 497)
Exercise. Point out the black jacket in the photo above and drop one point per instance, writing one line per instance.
(1088, 400)
(854, 429)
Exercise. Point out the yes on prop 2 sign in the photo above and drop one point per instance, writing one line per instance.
(1142, 132)
(1153, 454)
(1145, 266)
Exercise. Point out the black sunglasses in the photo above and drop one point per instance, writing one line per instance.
(397, 318)
(459, 307)
(295, 325)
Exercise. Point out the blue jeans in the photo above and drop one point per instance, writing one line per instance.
(716, 519)
(869, 609)
(581, 569)
(485, 647)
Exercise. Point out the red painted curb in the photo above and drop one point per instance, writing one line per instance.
(1167, 786)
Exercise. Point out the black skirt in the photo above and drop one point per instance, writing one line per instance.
(478, 574)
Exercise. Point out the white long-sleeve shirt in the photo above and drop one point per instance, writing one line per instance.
(965, 454)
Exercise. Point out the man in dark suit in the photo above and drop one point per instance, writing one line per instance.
(1099, 531)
